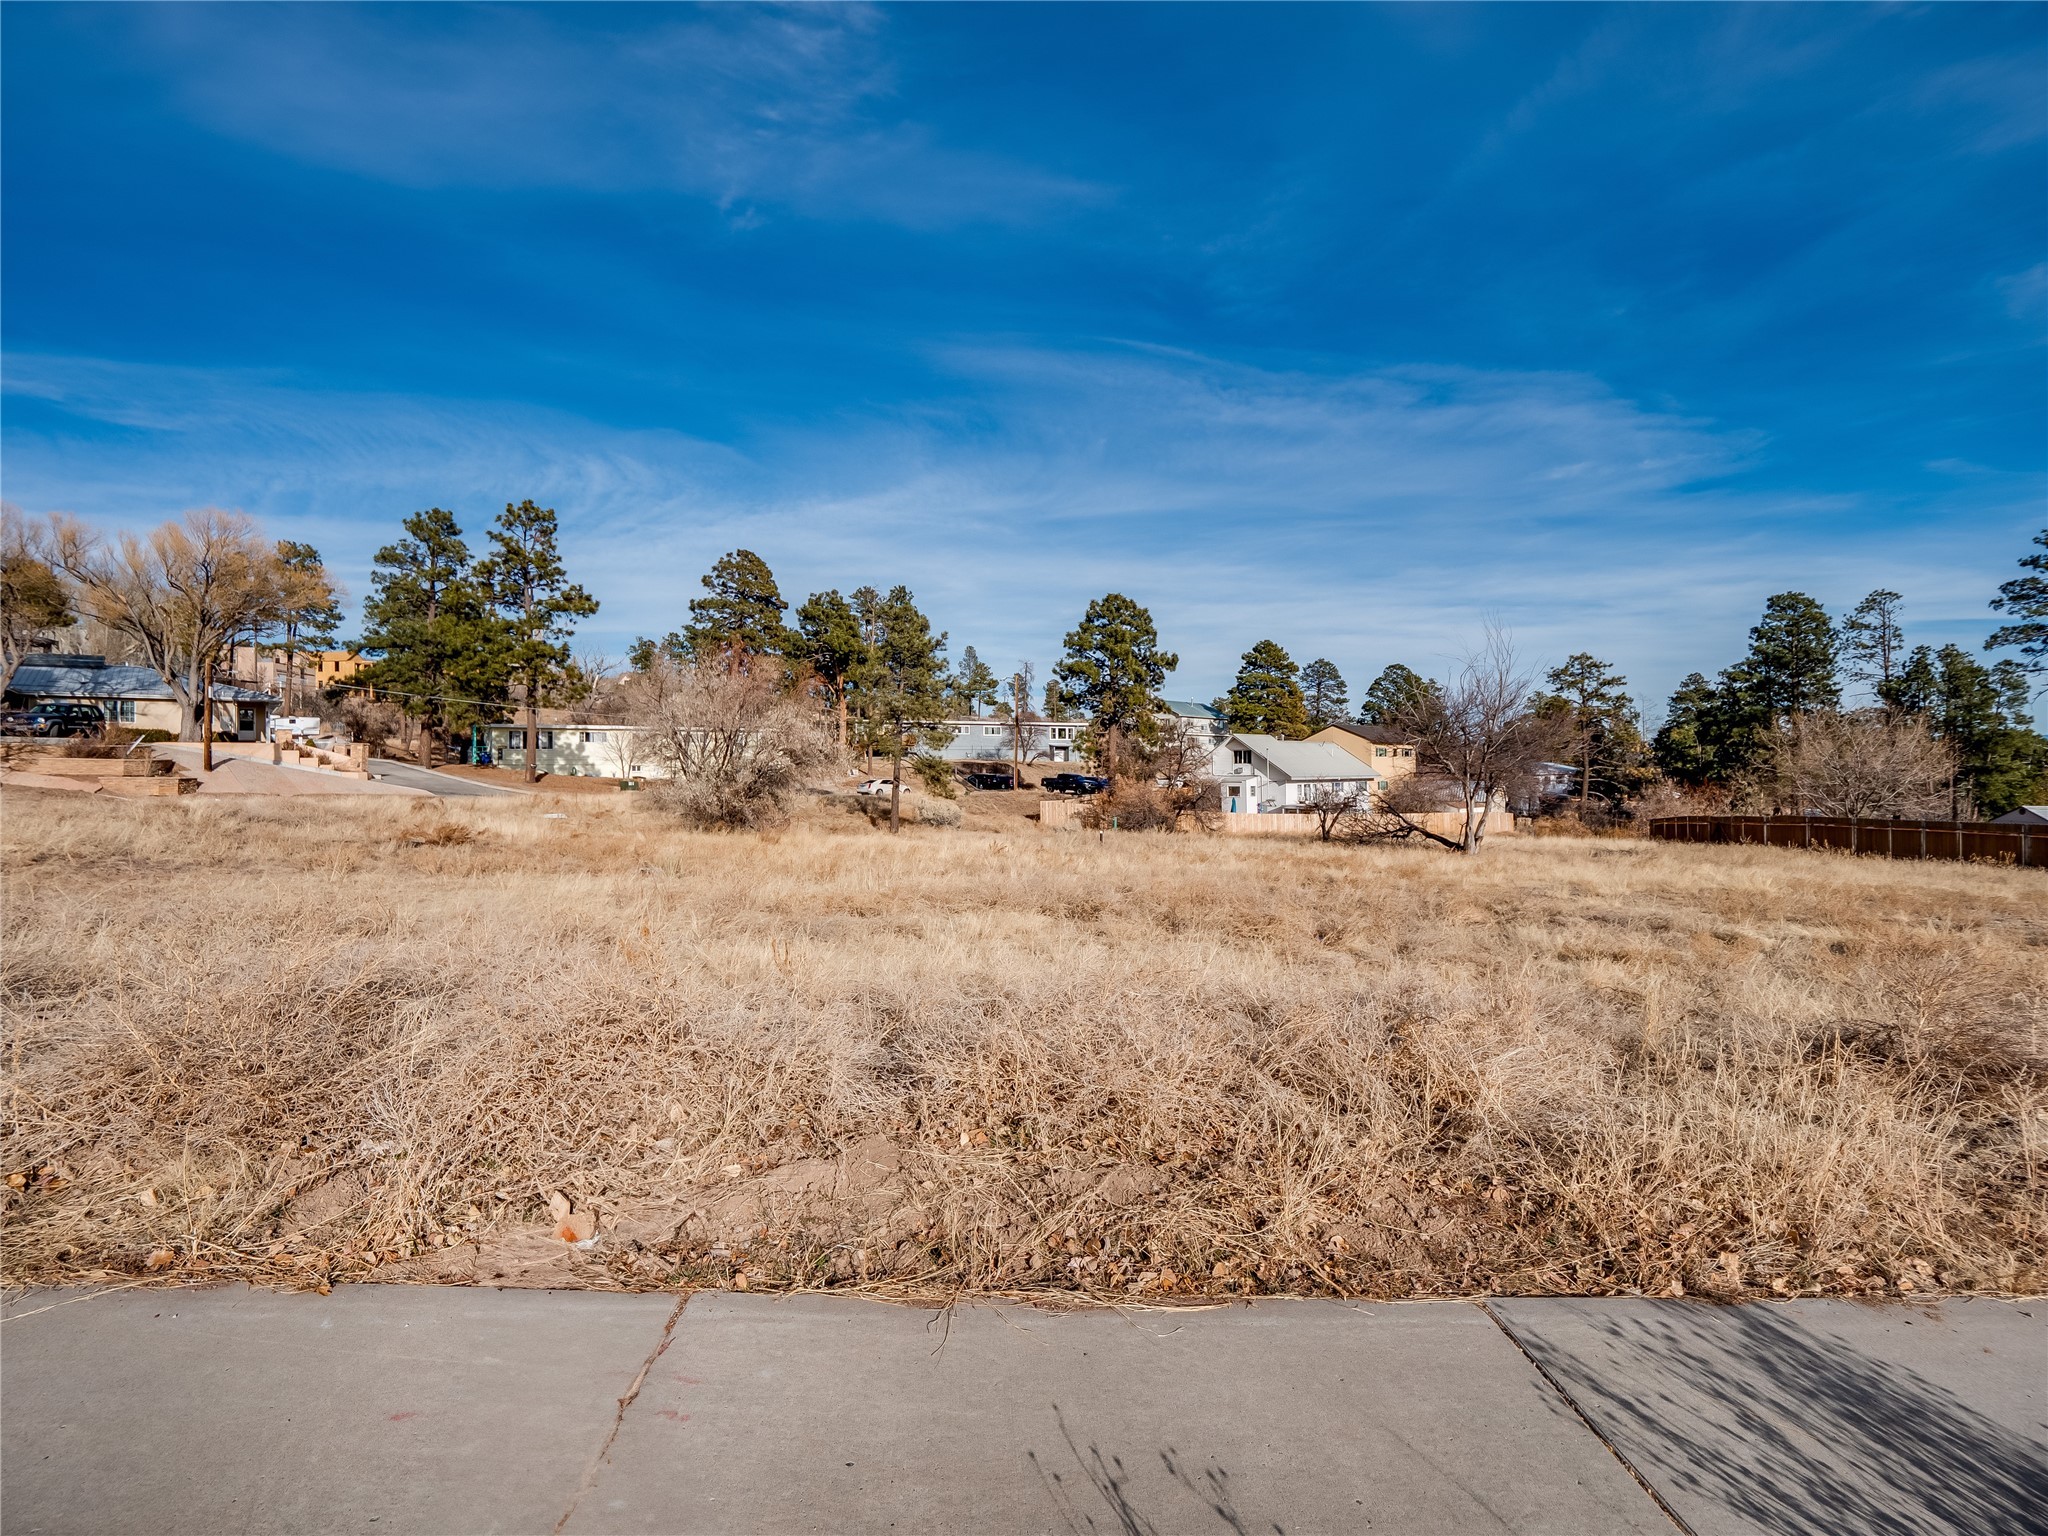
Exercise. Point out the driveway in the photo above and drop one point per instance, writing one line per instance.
(411, 776)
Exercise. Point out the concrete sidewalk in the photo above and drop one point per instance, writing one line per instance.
(456, 1410)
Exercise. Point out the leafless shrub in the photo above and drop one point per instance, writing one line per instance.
(1341, 815)
(738, 745)
(1667, 797)
(1870, 762)
(377, 722)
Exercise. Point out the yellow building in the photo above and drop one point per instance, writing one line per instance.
(1381, 747)
(336, 667)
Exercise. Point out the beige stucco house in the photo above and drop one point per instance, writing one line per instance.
(1388, 752)
(136, 696)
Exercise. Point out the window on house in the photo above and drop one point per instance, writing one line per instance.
(545, 740)
(1379, 751)
(515, 740)
(1407, 751)
(589, 737)
(122, 710)
(991, 730)
(1240, 755)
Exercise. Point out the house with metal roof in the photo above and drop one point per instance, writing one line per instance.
(2024, 816)
(136, 696)
(1265, 774)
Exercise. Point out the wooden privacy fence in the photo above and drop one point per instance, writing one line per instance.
(1892, 839)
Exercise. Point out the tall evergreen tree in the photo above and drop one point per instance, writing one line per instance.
(536, 604)
(1684, 746)
(1266, 697)
(1873, 643)
(1792, 656)
(830, 642)
(743, 615)
(1713, 731)
(972, 685)
(1324, 694)
(1982, 712)
(900, 680)
(1589, 701)
(1112, 671)
(1396, 692)
(2026, 599)
(428, 624)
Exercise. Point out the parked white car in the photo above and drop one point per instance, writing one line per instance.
(874, 787)
(302, 727)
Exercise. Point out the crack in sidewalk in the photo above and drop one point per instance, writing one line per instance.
(597, 1462)
(1585, 1419)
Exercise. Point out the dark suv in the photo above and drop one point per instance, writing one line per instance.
(988, 781)
(1075, 784)
(55, 720)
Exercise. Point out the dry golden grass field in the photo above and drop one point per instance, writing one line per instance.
(324, 1040)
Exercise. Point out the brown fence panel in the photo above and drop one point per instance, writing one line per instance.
(1971, 840)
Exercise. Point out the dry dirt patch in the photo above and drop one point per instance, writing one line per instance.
(364, 1039)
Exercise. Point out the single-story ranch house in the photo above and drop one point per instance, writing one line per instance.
(575, 751)
(136, 696)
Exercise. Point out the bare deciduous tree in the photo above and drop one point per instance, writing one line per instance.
(181, 593)
(1341, 811)
(1870, 763)
(737, 744)
(1478, 734)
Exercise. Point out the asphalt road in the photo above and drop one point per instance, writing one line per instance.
(412, 776)
(459, 1410)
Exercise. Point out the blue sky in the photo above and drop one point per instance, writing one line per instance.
(1348, 327)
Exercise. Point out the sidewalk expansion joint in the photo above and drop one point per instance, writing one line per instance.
(598, 1462)
(1584, 1418)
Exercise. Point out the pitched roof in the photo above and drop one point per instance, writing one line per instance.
(1378, 735)
(1187, 709)
(1299, 760)
(2025, 815)
(99, 681)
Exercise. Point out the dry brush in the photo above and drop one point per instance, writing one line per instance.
(352, 1041)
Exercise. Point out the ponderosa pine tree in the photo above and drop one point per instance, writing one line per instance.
(743, 615)
(1981, 712)
(1112, 671)
(829, 641)
(2025, 598)
(900, 681)
(536, 604)
(1323, 693)
(428, 624)
(1873, 644)
(1685, 744)
(1589, 702)
(1793, 650)
(1266, 696)
(972, 684)
(1398, 691)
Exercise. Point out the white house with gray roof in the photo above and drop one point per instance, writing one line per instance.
(1266, 774)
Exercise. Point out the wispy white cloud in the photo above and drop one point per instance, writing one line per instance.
(1366, 516)
(785, 108)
